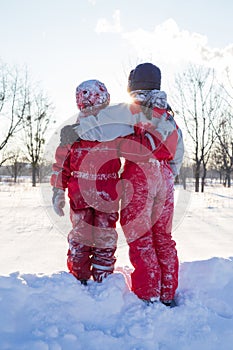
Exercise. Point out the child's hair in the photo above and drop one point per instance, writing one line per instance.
(92, 96)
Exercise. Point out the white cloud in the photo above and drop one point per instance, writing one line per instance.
(104, 26)
(167, 44)
(93, 2)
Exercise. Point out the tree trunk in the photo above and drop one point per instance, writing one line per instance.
(202, 184)
(197, 177)
(34, 168)
(184, 182)
(203, 179)
(228, 178)
(15, 172)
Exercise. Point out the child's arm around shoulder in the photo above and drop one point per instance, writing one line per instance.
(110, 123)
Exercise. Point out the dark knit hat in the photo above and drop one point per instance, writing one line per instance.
(145, 76)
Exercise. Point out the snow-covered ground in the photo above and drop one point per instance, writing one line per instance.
(42, 307)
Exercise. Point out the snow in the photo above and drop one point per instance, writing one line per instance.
(42, 307)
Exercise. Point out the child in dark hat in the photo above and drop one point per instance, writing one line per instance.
(153, 255)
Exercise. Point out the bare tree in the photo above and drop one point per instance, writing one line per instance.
(185, 173)
(200, 102)
(15, 163)
(35, 126)
(227, 85)
(223, 155)
(13, 104)
(45, 170)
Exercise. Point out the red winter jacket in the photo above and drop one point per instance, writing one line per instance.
(146, 143)
(90, 172)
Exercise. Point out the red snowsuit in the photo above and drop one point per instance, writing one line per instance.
(90, 172)
(146, 218)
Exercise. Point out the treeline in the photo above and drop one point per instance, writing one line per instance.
(17, 171)
(26, 113)
(202, 102)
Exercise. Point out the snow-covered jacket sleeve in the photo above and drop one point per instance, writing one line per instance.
(67, 138)
(110, 123)
(56, 179)
(176, 162)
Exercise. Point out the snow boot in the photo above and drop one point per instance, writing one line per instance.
(83, 282)
(169, 303)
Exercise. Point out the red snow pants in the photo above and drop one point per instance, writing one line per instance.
(146, 219)
(92, 244)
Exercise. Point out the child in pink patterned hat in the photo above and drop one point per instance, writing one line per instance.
(89, 170)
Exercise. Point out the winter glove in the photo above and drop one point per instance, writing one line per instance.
(58, 201)
(164, 126)
(68, 135)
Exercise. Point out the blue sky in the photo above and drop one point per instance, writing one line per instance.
(63, 42)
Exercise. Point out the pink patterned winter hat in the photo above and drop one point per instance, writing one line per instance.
(91, 93)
